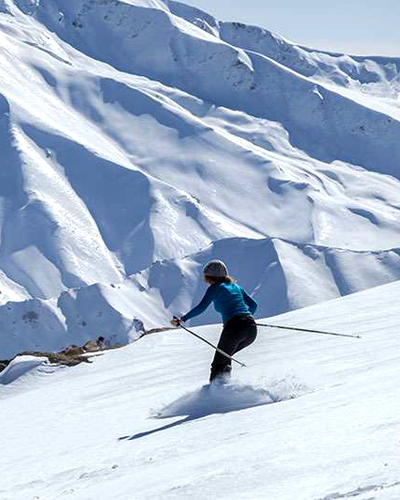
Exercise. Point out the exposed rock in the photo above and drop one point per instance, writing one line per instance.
(60, 358)
(3, 365)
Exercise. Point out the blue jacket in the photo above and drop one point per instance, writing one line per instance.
(229, 300)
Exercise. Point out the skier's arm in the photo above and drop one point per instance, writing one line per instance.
(202, 306)
(250, 302)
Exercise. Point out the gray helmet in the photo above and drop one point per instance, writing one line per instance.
(216, 269)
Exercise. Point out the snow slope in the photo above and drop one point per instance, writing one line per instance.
(280, 275)
(311, 417)
(138, 132)
(20, 366)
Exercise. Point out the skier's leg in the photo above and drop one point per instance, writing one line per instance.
(220, 371)
(238, 333)
(221, 365)
(248, 333)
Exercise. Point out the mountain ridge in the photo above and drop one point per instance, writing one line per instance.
(281, 275)
(201, 139)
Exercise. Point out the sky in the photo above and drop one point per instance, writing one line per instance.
(363, 27)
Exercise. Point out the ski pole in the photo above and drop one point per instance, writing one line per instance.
(310, 331)
(210, 344)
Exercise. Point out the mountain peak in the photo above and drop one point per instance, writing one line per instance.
(136, 132)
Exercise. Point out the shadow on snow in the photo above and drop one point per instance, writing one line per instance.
(217, 399)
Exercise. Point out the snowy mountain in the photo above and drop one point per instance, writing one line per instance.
(311, 417)
(279, 274)
(140, 137)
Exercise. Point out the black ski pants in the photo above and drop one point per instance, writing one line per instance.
(238, 333)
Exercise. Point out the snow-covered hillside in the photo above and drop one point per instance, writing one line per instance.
(138, 137)
(280, 275)
(311, 417)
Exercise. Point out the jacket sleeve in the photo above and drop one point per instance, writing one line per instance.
(202, 306)
(250, 302)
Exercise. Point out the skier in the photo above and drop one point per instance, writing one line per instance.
(237, 309)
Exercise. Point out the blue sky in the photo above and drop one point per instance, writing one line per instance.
(363, 27)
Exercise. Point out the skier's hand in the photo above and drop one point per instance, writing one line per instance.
(176, 321)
